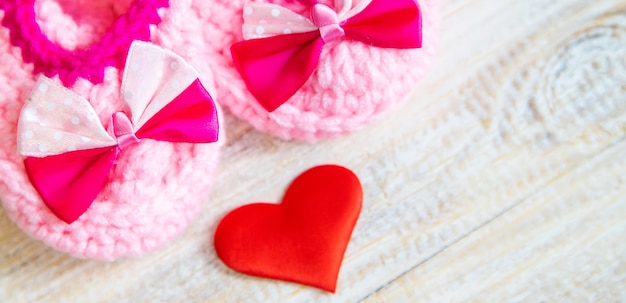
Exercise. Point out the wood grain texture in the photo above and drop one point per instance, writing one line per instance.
(501, 181)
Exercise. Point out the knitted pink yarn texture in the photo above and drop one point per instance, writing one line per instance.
(156, 188)
(354, 84)
(89, 63)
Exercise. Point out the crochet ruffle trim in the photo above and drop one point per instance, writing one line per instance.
(89, 63)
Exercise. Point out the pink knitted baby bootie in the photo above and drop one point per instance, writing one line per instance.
(309, 70)
(115, 152)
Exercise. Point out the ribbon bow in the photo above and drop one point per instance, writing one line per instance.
(69, 153)
(285, 47)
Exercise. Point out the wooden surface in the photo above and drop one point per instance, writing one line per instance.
(503, 180)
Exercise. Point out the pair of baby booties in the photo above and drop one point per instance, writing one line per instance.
(156, 188)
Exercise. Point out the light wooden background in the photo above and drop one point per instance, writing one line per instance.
(503, 180)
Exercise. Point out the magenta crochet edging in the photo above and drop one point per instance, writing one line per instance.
(89, 63)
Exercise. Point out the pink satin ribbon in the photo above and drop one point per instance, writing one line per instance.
(69, 154)
(123, 130)
(326, 19)
(285, 48)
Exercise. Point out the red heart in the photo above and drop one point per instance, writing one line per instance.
(301, 240)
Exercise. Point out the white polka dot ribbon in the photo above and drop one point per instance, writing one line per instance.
(263, 20)
(55, 120)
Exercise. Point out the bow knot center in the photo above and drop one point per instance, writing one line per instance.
(123, 130)
(326, 19)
